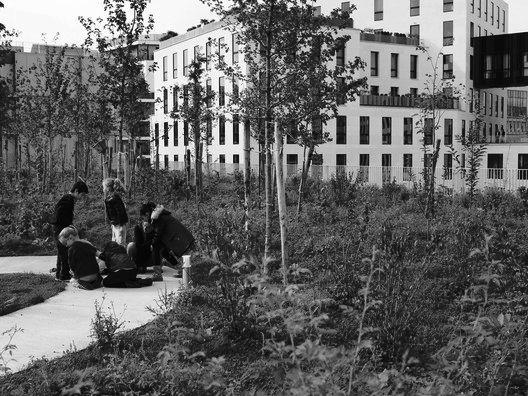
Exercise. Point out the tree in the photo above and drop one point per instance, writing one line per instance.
(439, 94)
(43, 108)
(277, 37)
(121, 76)
(196, 110)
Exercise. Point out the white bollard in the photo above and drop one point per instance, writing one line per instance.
(186, 270)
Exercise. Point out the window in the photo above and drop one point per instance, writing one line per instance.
(221, 91)
(292, 159)
(408, 131)
(472, 6)
(471, 73)
(448, 5)
(364, 163)
(415, 7)
(394, 65)
(471, 100)
(341, 94)
(491, 104)
(374, 64)
(522, 173)
(174, 65)
(317, 129)
(386, 130)
(428, 131)
(525, 64)
(235, 47)
(208, 55)
(480, 8)
(221, 158)
(463, 135)
(175, 134)
(414, 66)
(448, 132)
(186, 95)
(378, 10)
(448, 67)
(221, 130)
(488, 71)
(364, 130)
(486, 11)
(340, 53)
(341, 137)
(175, 93)
(448, 33)
(495, 165)
(164, 68)
(156, 134)
(415, 31)
(185, 133)
(196, 52)
(209, 129)
(236, 90)
(386, 163)
(496, 105)
(175, 157)
(341, 160)
(185, 62)
(394, 91)
(448, 166)
(221, 50)
(166, 161)
(471, 32)
(407, 167)
(165, 134)
(236, 129)
(498, 17)
(479, 31)
(503, 21)
(492, 13)
(236, 159)
(413, 92)
(502, 106)
(374, 90)
(165, 101)
(209, 91)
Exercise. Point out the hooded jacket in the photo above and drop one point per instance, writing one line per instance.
(116, 258)
(170, 232)
(115, 210)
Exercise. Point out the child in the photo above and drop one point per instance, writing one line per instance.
(141, 249)
(115, 210)
(81, 259)
(122, 271)
(171, 238)
(63, 217)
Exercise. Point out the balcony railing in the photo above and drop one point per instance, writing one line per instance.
(405, 101)
(386, 37)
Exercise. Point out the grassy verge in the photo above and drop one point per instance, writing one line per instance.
(23, 290)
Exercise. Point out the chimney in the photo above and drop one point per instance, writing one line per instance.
(317, 11)
(345, 6)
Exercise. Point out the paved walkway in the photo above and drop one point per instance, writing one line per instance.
(63, 321)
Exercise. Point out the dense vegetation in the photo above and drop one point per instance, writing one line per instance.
(380, 299)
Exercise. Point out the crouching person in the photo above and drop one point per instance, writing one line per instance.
(171, 239)
(141, 249)
(122, 271)
(81, 259)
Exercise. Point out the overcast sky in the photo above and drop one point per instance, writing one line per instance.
(32, 18)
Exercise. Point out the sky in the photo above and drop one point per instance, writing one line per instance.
(32, 18)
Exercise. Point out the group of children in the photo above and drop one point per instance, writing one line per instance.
(157, 236)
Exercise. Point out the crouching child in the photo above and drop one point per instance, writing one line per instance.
(81, 259)
(122, 271)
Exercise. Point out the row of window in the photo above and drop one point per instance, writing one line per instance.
(221, 159)
(414, 6)
(375, 65)
(488, 9)
(221, 53)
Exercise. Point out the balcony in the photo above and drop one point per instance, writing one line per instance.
(392, 38)
(406, 101)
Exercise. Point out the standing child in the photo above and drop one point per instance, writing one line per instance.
(63, 217)
(82, 259)
(115, 210)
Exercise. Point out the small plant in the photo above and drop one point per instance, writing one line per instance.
(6, 353)
(105, 325)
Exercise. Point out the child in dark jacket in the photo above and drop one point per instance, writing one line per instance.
(81, 259)
(141, 249)
(115, 210)
(63, 217)
(171, 238)
(122, 271)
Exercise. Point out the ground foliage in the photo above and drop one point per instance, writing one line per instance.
(381, 300)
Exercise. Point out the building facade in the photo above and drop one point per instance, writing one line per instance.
(377, 133)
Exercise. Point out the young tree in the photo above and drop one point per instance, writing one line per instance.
(439, 95)
(277, 37)
(122, 77)
(197, 111)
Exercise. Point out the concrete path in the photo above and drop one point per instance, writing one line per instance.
(63, 321)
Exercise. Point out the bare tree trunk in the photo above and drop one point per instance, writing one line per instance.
(281, 201)
(2, 167)
(307, 162)
(247, 176)
(430, 203)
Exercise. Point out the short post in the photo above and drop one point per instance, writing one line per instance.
(186, 273)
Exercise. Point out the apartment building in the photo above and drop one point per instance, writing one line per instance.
(376, 134)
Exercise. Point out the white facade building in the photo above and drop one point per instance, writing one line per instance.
(377, 131)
